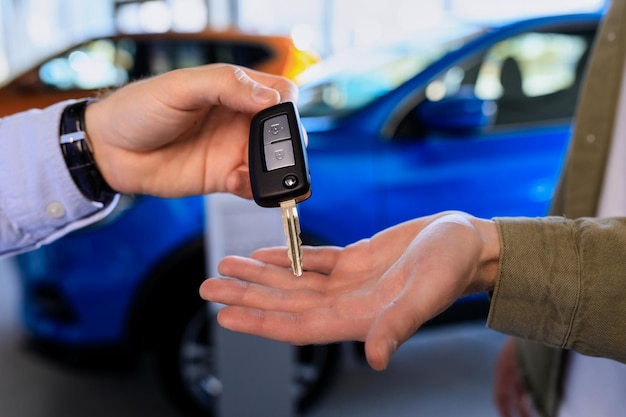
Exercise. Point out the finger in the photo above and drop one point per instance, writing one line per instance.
(238, 183)
(243, 293)
(504, 386)
(526, 406)
(310, 327)
(320, 259)
(253, 270)
(511, 397)
(277, 255)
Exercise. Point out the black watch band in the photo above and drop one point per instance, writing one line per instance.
(78, 157)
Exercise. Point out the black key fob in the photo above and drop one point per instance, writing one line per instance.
(279, 170)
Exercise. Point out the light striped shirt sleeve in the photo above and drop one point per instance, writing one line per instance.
(39, 201)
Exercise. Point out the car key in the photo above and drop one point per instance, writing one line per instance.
(279, 171)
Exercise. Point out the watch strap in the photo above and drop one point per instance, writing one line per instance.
(79, 158)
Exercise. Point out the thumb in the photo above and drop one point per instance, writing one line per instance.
(237, 90)
(392, 327)
(234, 87)
(264, 95)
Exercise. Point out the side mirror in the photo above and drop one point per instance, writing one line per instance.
(460, 113)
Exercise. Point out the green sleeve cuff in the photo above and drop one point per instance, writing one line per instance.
(538, 285)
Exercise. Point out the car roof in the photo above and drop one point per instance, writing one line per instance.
(476, 36)
(447, 30)
(362, 58)
(279, 44)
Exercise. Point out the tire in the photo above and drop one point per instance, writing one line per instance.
(186, 365)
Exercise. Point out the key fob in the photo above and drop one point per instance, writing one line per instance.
(279, 170)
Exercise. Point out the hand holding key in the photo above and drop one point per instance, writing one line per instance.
(279, 171)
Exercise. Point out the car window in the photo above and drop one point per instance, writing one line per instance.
(533, 78)
(111, 63)
(350, 81)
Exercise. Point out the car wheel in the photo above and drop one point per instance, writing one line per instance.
(186, 365)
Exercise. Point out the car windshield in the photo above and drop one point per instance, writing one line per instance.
(349, 81)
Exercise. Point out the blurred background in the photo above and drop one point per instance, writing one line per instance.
(32, 29)
(412, 107)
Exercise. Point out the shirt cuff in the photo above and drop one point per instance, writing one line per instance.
(538, 286)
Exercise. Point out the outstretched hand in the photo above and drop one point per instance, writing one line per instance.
(379, 290)
(184, 132)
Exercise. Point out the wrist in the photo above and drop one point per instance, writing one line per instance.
(477, 245)
(489, 259)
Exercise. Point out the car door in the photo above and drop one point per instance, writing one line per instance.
(506, 163)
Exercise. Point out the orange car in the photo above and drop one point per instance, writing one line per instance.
(110, 62)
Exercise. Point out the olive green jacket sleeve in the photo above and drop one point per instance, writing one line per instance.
(562, 282)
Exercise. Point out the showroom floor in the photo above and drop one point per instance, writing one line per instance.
(439, 372)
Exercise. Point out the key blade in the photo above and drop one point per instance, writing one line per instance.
(291, 224)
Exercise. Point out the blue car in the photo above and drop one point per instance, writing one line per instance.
(467, 117)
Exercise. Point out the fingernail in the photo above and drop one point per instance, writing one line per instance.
(262, 94)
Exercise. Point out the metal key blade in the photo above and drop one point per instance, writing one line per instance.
(291, 224)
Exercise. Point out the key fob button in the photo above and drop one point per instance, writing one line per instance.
(290, 181)
(276, 129)
(279, 155)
